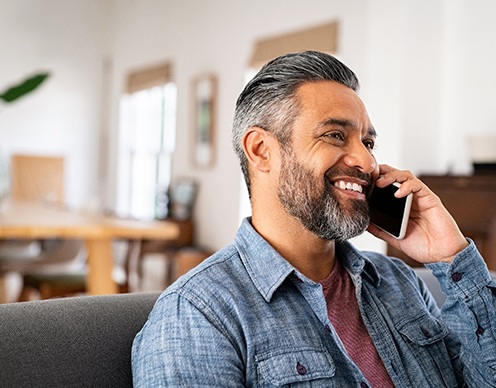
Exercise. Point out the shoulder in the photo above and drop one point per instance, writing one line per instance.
(219, 278)
(389, 266)
(215, 296)
(394, 271)
(214, 271)
(399, 281)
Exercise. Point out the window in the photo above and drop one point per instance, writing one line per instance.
(146, 143)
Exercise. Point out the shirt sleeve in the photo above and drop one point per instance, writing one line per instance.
(470, 314)
(184, 345)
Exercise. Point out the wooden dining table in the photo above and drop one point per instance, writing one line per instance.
(36, 220)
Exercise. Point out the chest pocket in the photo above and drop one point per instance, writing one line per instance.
(295, 367)
(423, 330)
(425, 334)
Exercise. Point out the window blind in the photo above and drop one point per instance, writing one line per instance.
(320, 38)
(147, 78)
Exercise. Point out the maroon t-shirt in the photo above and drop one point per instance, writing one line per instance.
(344, 314)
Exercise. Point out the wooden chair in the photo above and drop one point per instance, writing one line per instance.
(39, 178)
(32, 178)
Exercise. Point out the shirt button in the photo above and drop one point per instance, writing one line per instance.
(327, 328)
(480, 330)
(300, 368)
(456, 277)
(363, 385)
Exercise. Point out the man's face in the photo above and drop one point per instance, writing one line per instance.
(328, 167)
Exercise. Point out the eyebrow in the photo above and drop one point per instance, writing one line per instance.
(345, 123)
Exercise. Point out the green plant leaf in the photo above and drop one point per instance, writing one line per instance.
(25, 87)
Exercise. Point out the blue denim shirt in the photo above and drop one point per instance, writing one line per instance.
(246, 317)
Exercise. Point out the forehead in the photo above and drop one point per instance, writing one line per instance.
(325, 100)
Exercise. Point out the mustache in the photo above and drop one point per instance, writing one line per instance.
(351, 172)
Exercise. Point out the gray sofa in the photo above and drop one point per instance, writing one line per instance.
(71, 342)
(81, 341)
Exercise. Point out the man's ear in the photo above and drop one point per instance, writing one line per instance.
(257, 144)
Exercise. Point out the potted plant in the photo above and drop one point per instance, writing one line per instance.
(19, 90)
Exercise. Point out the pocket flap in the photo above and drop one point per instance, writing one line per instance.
(423, 330)
(285, 366)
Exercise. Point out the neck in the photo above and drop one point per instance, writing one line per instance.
(312, 256)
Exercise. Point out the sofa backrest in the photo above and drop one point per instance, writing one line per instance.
(71, 342)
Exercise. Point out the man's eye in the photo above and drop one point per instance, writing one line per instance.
(370, 144)
(336, 135)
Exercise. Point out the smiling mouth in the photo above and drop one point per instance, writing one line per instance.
(343, 185)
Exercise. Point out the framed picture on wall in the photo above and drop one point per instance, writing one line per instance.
(204, 120)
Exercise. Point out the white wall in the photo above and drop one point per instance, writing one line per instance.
(469, 79)
(66, 38)
(425, 67)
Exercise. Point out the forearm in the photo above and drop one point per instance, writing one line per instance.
(470, 314)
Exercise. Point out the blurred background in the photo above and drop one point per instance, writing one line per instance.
(141, 93)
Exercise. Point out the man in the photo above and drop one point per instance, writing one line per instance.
(291, 302)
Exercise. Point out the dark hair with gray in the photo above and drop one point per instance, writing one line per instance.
(268, 100)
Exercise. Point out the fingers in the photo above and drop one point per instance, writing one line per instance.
(409, 182)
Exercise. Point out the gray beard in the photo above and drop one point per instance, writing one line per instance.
(316, 208)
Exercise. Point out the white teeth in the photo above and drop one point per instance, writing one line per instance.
(357, 187)
(349, 186)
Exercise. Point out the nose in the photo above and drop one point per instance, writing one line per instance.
(361, 158)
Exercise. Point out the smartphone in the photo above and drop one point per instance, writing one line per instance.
(389, 213)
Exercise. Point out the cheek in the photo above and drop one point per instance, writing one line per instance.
(327, 157)
(331, 162)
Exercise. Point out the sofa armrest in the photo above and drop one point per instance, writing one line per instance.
(78, 341)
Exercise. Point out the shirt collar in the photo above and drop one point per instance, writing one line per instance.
(357, 263)
(268, 269)
(265, 266)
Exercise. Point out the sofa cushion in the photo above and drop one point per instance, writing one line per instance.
(71, 342)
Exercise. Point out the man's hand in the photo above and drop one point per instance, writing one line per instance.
(432, 234)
